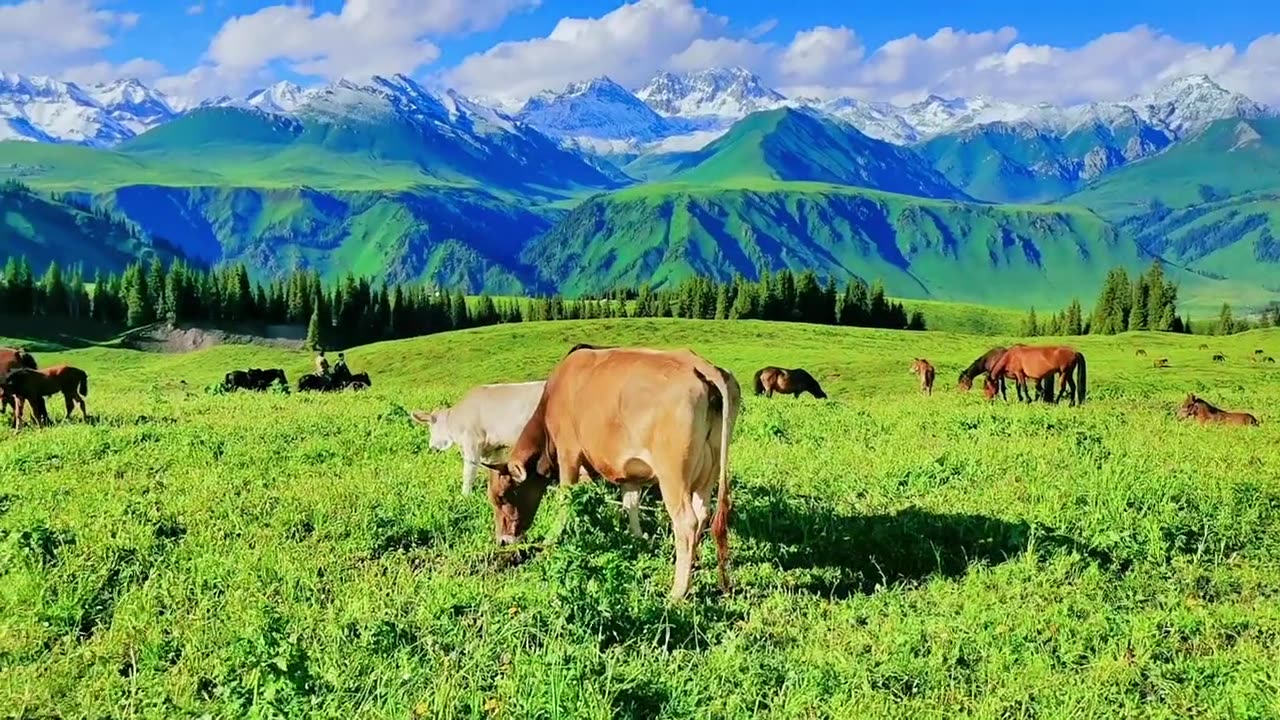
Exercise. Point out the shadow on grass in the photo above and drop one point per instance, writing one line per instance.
(830, 553)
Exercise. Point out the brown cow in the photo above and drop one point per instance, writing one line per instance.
(633, 416)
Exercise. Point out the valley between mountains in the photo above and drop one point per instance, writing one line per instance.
(599, 186)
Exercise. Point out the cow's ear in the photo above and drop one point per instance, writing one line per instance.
(422, 417)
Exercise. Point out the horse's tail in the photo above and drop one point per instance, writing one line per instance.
(84, 384)
(759, 386)
(1081, 379)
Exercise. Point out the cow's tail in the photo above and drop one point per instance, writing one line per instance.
(730, 395)
(1081, 379)
(84, 384)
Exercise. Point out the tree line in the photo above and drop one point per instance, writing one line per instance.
(1148, 301)
(355, 311)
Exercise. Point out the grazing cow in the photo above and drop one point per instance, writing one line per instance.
(633, 416)
(794, 381)
(1219, 358)
(487, 419)
(1204, 412)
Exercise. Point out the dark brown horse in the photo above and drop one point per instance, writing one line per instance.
(1039, 361)
(1203, 412)
(793, 381)
(921, 368)
(1141, 353)
(1219, 358)
(33, 386)
(13, 359)
(988, 360)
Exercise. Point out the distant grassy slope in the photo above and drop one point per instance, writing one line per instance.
(791, 145)
(42, 230)
(1231, 157)
(1001, 162)
(1012, 256)
(892, 554)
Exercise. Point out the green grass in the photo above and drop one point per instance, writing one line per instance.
(894, 555)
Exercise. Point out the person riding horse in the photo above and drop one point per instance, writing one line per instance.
(322, 364)
(341, 373)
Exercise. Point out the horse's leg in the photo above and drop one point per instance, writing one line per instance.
(69, 402)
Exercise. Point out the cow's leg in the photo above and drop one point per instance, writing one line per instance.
(631, 503)
(684, 525)
(470, 463)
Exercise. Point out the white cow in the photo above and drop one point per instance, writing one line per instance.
(485, 421)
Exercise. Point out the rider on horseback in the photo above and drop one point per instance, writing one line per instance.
(341, 373)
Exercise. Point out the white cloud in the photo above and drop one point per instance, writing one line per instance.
(49, 36)
(762, 28)
(628, 44)
(101, 72)
(365, 37)
(824, 56)
(196, 9)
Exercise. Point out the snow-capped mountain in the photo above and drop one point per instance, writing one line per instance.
(881, 121)
(42, 109)
(1186, 105)
(598, 109)
(726, 93)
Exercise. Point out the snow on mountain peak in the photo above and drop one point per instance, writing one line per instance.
(718, 92)
(1188, 104)
(597, 109)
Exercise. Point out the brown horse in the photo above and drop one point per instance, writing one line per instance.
(921, 368)
(1141, 353)
(987, 361)
(1204, 346)
(1203, 412)
(13, 359)
(794, 381)
(1036, 362)
(1269, 359)
(33, 386)
(1219, 358)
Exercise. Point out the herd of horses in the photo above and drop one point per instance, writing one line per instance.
(1021, 363)
(259, 380)
(1259, 356)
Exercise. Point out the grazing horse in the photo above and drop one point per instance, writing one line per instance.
(987, 361)
(315, 382)
(1257, 352)
(1161, 363)
(1219, 358)
(925, 371)
(793, 381)
(1141, 353)
(1204, 346)
(1203, 412)
(1036, 362)
(33, 386)
(1269, 359)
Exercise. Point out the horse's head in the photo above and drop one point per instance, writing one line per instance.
(1188, 407)
(965, 383)
(990, 388)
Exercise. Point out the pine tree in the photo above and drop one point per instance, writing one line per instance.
(1226, 324)
(458, 317)
(155, 288)
(917, 321)
(1073, 323)
(1138, 304)
(1030, 325)
(54, 291)
(137, 301)
(722, 302)
(879, 315)
(315, 330)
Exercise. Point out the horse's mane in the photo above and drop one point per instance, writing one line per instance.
(977, 367)
(1208, 405)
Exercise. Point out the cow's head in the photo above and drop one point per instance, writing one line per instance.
(435, 423)
(515, 491)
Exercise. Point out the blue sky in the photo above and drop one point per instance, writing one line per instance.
(499, 48)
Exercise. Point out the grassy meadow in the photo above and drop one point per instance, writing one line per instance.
(192, 554)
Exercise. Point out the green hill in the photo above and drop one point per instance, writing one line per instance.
(1230, 158)
(1003, 255)
(43, 229)
(792, 145)
(1000, 162)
